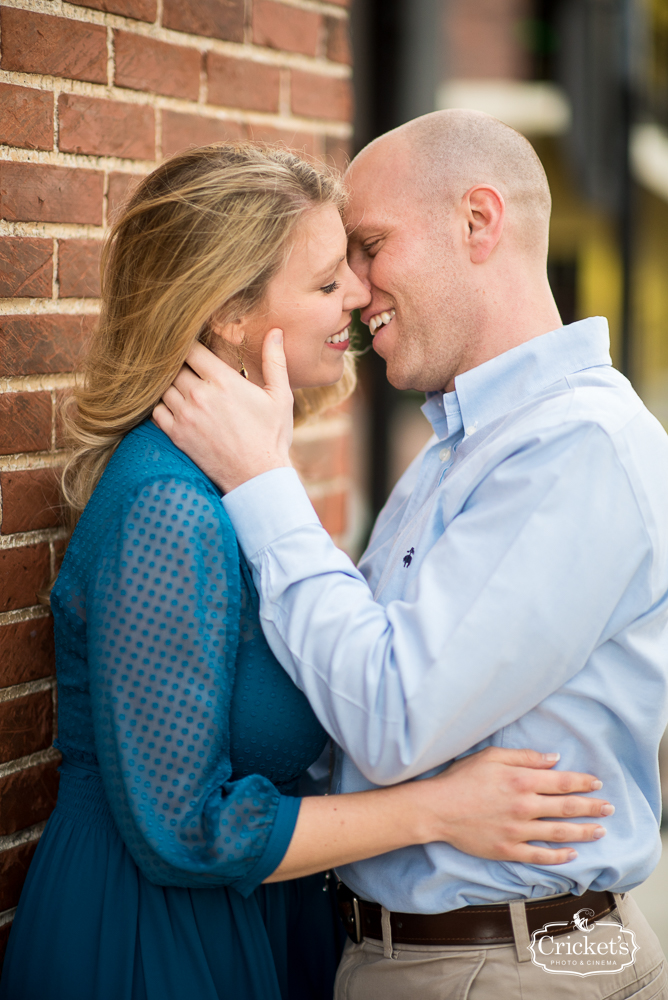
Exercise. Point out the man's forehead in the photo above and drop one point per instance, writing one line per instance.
(381, 217)
(381, 190)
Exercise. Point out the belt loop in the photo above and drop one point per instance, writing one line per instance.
(620, 900)
(387, 932)
(518, 918)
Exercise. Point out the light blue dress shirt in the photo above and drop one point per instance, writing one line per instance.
(514, 593)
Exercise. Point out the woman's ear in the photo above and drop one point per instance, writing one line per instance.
(231, 331)
(485, 210)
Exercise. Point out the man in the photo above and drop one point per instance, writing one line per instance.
(515, 590)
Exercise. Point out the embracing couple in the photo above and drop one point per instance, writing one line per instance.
(212, 642)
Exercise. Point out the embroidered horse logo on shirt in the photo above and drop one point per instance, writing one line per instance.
(408, 558)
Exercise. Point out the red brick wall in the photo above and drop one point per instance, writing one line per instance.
(92, 96)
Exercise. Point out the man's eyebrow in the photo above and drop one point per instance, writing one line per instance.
(362, 233)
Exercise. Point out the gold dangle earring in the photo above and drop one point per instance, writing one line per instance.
(242, 367)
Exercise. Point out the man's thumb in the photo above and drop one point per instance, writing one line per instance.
(274, 368)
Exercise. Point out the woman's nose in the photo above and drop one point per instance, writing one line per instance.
(358, 295)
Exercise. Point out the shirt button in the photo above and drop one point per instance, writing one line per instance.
(471, 430)
(444, 454)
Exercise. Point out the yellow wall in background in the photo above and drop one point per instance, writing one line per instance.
(584, 234)
(651, 304)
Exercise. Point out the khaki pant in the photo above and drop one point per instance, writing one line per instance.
(380, 970)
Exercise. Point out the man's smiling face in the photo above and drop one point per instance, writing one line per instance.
(403, 245)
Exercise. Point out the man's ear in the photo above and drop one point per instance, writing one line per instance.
(485, 213)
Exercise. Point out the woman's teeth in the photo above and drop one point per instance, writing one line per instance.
(381, 319)
(338, 338)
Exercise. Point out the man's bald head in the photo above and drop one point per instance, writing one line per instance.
(446, 153)
(448, 222)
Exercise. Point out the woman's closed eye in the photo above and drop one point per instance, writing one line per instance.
(328, 289)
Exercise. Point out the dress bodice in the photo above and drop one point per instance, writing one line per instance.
(164, 674)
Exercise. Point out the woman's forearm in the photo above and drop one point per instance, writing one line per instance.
(336, 830)
(490, 804)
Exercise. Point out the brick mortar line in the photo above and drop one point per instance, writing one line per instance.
(327, 487)
(157, 135)
(7, 916)
(73, 161)
(54, 444)
(56, 120)
(75, 12)
(314, 6)
(33, 460)
(24, 614)
(23, 539)
(30, 687)
(104, 229)
(149, 98)
(55, 280)
(51, 230)
(37, 383)
(111, 57)
(329, 10)
(27, 836)
(49, 307)
(92, 161)
(40, 757)
(127, 95)
(235, 50)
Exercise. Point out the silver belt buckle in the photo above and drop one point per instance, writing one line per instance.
(349, 908)
(358, 921)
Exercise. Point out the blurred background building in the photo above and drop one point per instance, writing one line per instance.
(587, 82)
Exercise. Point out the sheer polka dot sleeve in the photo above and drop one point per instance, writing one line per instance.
(163, 627)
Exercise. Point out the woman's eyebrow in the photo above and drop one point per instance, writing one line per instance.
(330, 267)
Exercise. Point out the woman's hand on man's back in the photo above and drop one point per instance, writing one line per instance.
(494, 802)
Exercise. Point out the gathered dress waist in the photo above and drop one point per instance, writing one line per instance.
(81, 796)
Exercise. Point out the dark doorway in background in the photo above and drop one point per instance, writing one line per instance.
(562, 275)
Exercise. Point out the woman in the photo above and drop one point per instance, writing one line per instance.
(165, 870)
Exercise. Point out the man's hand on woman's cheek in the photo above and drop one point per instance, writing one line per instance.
(233, 430)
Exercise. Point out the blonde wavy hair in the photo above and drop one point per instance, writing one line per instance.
(203, 234)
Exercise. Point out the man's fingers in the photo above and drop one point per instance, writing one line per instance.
(186, 380)
(205, 363)
(172, 399)
(164, 418)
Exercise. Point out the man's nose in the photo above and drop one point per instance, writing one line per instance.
(360, 268)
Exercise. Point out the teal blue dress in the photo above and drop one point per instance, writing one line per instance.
(182, 740)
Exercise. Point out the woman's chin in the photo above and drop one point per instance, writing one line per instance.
(322, 379)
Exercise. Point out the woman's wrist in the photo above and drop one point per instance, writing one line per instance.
(426, 824)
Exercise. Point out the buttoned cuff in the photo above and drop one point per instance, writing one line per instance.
(266, 507)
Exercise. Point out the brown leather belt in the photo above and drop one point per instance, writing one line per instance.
(471, 925)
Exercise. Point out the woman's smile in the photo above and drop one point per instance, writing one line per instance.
(340, 341)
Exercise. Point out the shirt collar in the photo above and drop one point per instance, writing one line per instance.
(497, 386)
